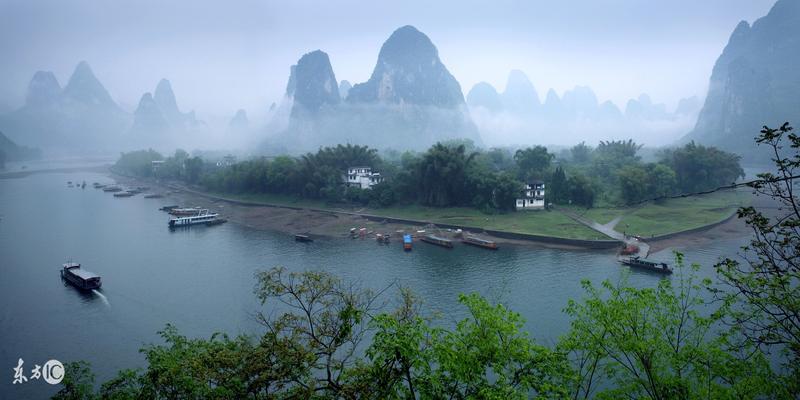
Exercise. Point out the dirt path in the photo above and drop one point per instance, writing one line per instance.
(608, 230)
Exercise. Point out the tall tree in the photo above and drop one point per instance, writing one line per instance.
(558, 188)
(581, 153)
(533, 162)
(441, 175)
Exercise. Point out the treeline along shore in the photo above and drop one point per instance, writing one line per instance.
(455, 184)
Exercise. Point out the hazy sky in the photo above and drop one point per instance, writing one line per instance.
(221, 56)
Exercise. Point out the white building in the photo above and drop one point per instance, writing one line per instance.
(362, 177)
(226, 161)
(532, 197)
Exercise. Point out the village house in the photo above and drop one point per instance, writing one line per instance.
(226, 161)
(532, 197)
(362, 177)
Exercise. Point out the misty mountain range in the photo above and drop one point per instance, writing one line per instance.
(411, 101)
(518, 116)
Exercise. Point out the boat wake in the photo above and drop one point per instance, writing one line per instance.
(102, 297)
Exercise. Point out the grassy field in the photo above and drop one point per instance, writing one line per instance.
(673, 215)
(647, 220)
(545, 223)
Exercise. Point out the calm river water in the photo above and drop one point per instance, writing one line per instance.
(201, 280)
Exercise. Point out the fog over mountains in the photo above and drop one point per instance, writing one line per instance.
(80, 115)
(517, 115)
(412, 100)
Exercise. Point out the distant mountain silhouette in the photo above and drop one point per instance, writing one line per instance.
(410, 101)
(754, 82)
(10, 151)
(158, 121)
(80, 116)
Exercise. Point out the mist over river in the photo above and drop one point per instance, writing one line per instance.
(201, 279)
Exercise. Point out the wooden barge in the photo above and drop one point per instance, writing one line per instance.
(478, 242)
(439, 241)
(637, 262)
(80, 278)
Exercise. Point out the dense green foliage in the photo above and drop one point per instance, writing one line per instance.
(329, 339)
(699, 168)
(457, 174)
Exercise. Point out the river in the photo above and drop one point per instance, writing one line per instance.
(201, 279)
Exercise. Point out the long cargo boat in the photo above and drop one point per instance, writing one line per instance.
(641, 263)
(439, 241)
(203, 217)
(478, 242)
(80, 278)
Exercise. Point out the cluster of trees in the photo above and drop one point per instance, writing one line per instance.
(617, 168)
(180, 166)
(457, 174)
(674, 341)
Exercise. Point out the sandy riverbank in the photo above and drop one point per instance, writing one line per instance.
(311, 222)
(338, 224)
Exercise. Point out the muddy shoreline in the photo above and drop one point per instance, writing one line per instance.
(316, 223)
(321, 223)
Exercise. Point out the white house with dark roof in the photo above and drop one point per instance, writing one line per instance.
(532, 198)
(362, 177)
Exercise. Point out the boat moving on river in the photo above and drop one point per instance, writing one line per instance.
(637, 262)
(203, 217)
(80, 278)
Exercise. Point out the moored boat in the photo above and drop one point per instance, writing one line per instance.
(80, 278)
(153, 195)
(439, 241)
(168, 208)
(124, 194)
(216, 221)
(112, 189)
(638, 262)
(203, 217)
(407, 242)
(185, 211)
(476, 241)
